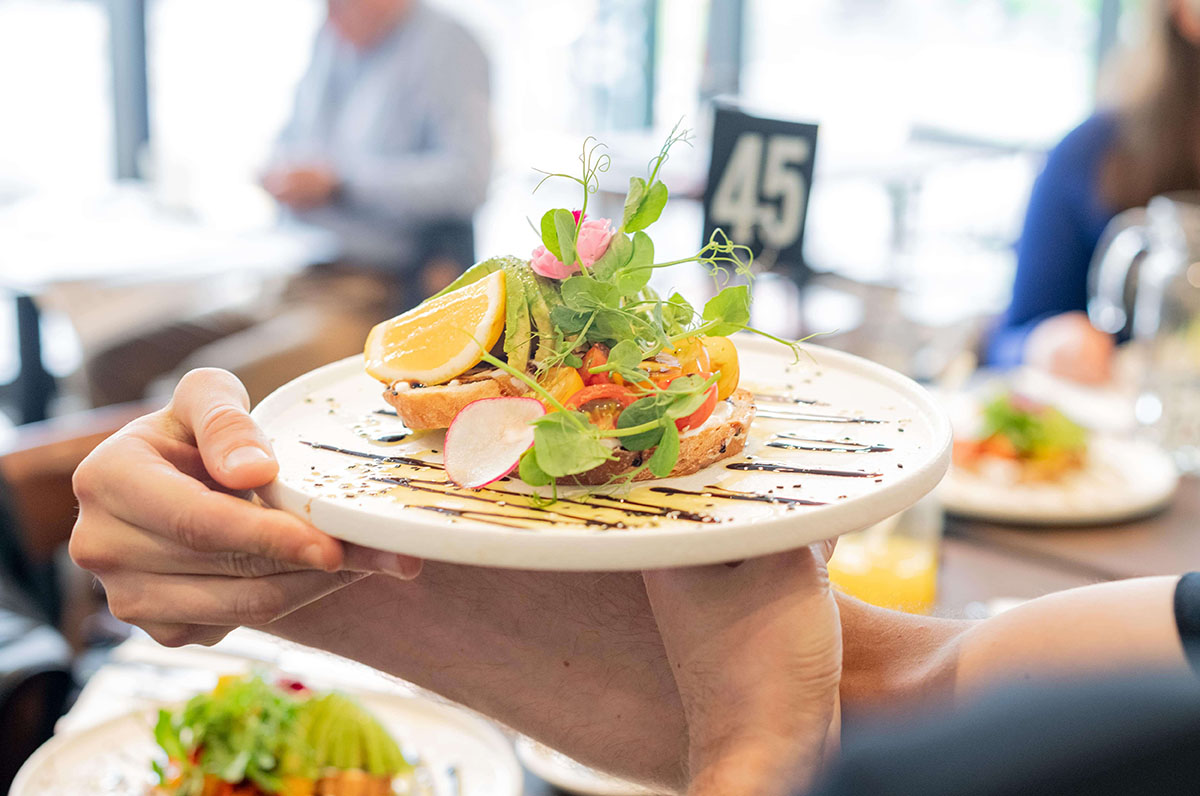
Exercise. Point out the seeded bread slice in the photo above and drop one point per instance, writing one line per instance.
(423, 408)
(713, 442)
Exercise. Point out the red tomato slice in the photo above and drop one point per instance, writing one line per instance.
(597, 356)
(601, 392)
(697, 418)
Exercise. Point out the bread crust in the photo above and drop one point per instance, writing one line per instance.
(422, 408)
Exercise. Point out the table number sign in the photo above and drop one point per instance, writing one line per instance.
(758, 186)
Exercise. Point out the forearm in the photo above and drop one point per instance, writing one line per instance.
(894, 662)
(574, 660)
(1091, 631)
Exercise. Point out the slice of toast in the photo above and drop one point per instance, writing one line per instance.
(723, 435)
(422, 408)
(720, 437)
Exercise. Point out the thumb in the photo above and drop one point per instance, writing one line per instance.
(212, 405)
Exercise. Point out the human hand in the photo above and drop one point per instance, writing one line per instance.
(301, 187)
(1069, 346)
(756, 650)
(164, 524)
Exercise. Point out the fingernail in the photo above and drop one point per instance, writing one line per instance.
(314, 555)
(410, 568)
(395, 565)
(245, 456)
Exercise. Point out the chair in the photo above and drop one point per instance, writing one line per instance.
(38, 627)
(35, 680)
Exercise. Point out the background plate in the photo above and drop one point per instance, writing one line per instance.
(1123, 479)
(859, 444)
(460, 753)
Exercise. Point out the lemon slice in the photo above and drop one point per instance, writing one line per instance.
(440, 339)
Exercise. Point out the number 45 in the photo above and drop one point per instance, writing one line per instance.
(736, 205)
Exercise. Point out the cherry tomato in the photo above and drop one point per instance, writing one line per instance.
(596, 356)
(723, 357)
(562, 383)
(602, 403)
(601, 392)
(697, 418)
(693, 356)
(663, 369)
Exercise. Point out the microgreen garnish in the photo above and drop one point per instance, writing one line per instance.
(587, 286)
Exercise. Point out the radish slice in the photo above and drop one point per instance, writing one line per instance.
(487, 438)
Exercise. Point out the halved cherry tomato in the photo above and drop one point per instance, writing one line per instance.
(663, 370)
(697, 418)
(602, 403)
(597, 356)
(693, 356)
(601, 392)
(562, 383)
(723, 357)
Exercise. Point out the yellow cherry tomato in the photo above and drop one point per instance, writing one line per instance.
(693, 356)
(562, 383)
(723, 357)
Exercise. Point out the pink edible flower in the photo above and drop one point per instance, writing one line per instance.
(594, 237)
(592, 242)
(546, 264)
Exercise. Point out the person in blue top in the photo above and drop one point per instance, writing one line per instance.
(1118, 159)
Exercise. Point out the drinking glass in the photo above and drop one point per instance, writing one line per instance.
(894, 563)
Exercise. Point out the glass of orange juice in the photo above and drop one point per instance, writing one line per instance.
(893, 564)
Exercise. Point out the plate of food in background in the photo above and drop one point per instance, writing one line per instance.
(252, 737)
(1025, 462)
(558, 412)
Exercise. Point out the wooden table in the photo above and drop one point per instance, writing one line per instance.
(122, 236)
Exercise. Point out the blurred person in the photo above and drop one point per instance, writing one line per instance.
(718, 679)
(388, 147)
(1119, 159)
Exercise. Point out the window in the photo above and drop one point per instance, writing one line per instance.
(221, 78)
(56, 95)
(869, 69)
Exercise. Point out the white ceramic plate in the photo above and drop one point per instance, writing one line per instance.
(1123, 479)
(458, 754)
(864, 443)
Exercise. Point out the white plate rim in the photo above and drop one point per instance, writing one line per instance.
(643, 548)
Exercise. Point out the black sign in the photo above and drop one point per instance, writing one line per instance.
(758, 186)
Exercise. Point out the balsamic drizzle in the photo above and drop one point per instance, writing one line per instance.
(645, 510)
(729, 494)
(428, 486)
(664, 512)
(774, 467)
(783, 399)
(389, 438)
(518, 501)
(468, 514)
(814, 417)
(379, 457)
(794, 443)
